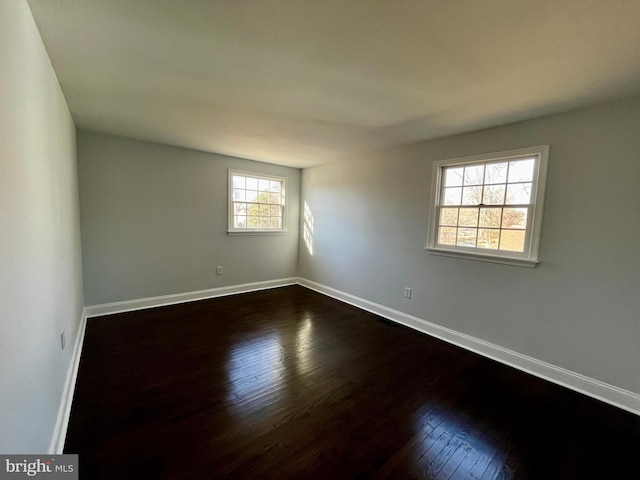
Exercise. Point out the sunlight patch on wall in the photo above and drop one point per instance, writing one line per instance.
(307, 228)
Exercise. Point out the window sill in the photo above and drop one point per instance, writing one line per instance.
(256, 232)
(514, 261)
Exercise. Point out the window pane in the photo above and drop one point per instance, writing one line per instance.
(452, 196)
(274, 185)
(276, 222)
(490, 217)
(474, 175)
(252, 209)
(447, 235)
(468, 217)
(472, 196)
(496, 173)
(518, 193)
(252, 183)
(488, 238)
(274, 198)
(256, 202)
(521, 170)
(238, 181)
(485, 203)
(512, 240)
(493, 195)
(467, 237)
(449, 216)
(514, 218)
(239, 195)
(263, 185)
(251, 196)
(265, 222)
(453, 177)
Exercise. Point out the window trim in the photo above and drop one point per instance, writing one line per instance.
(231, 230)
(528, 258)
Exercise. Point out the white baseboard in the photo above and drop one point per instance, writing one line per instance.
(616, 396)
(64, 411)
(150, 302)
(594, 388)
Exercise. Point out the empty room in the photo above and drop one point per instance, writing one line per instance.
(320, 239)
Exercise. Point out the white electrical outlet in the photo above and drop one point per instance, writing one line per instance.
(62, 340)
(407, 292)
(219, 270)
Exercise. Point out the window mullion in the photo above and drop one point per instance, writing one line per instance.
(507, 236)
(259, 208)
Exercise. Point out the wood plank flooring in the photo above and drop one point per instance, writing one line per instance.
(290, 384)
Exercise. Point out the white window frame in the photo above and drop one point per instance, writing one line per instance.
(529, 257)
(231, 229)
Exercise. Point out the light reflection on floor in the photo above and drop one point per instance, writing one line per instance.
(304, 338)
(446, 445)
(257, 368)
(453, 449)
(254, 368)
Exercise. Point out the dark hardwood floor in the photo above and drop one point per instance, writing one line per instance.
(290, 384)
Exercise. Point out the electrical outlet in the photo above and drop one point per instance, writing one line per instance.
(62, 340)
(219, 270)
(407, 292)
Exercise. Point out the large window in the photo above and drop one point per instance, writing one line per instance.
(256, 203)
(489, 207)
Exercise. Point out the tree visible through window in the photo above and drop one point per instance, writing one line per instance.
(256, 203)
(489, 205)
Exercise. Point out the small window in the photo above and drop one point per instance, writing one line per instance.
(256, 203)
(489, 207)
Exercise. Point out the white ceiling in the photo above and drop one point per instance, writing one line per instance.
(304, 82)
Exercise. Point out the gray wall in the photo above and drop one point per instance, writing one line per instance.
(40, 258)
(154, 221)
(579, 309)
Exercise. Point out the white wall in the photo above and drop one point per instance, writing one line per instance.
(154, 221)
(579, 309)
(40, 258)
